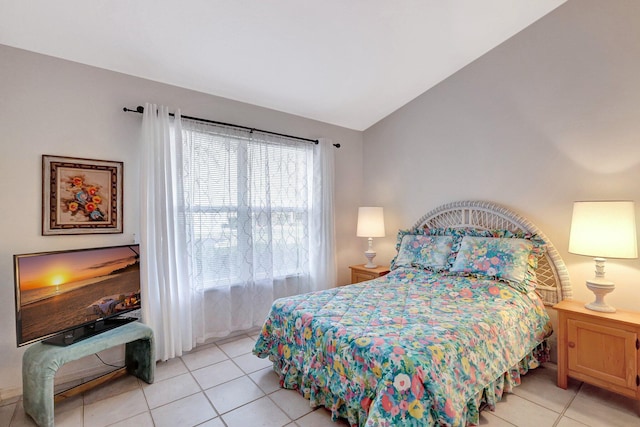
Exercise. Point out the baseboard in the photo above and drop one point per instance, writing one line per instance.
(7, 394)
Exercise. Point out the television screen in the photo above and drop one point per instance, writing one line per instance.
(68, 292)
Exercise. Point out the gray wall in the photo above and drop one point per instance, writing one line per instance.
(549, 117)
(51, 106)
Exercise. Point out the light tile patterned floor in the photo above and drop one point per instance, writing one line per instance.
(223, 384)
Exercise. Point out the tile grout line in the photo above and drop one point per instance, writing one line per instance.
(244, 374)
(190, 373)
(267, 395)
(218, 414)
(558, 418)
(568, 405)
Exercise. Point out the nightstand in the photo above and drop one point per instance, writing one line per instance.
(599, 348)
(359, 273)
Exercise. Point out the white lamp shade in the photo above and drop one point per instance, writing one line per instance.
(370, 222)
(604, 229)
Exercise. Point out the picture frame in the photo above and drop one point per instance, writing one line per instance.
(81, 196)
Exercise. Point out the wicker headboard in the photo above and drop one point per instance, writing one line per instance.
(553, 279)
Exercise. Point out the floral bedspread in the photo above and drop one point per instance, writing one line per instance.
(410, 348)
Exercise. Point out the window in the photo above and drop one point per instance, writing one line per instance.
(247, 205)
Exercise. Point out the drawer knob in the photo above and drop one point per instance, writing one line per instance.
(571, 344)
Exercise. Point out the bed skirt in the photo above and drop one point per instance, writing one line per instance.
(295, 378)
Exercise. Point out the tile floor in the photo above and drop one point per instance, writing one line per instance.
(223, 384)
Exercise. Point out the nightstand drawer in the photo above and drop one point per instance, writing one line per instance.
(359, 273)
(357, 276)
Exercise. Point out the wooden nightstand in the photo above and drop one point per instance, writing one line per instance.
(359, 273)
(599, 348)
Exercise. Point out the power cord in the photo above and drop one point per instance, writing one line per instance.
(108, 364)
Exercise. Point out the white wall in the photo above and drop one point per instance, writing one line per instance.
(549, 117)
(51, 106)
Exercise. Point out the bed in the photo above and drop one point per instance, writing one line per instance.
(454, 325)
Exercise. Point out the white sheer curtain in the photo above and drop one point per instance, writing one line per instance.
(323, 268)
(251, 199)
(167, 295)
(231, 221)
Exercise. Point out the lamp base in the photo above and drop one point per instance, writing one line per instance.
(370, 256)
(600, 288)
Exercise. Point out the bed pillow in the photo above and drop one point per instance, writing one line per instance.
(423, 251)
(401, 234)
(502, 258)
(457, 234)
(538, 250)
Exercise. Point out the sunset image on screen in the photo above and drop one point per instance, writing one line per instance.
(60, 269)
(43, 276)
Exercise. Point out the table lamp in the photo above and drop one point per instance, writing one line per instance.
(603, 229)
(370, 225)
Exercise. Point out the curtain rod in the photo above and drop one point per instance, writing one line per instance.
(140, 109)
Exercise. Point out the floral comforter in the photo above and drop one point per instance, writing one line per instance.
(410, 348)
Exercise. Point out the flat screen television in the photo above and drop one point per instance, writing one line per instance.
(66, 296)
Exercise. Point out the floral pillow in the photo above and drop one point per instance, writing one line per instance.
(423, 251)
(401, 234)
(503, 258)
(539, 247)
(457, 234)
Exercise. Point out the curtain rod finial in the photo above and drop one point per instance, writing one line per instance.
(140, 109)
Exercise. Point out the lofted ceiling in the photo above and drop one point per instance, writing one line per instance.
(344, 62)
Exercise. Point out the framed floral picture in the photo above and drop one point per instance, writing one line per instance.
(81, 196)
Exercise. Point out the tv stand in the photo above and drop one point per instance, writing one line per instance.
(40, 363)
(87, 331)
